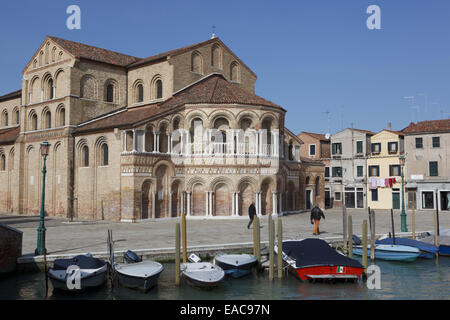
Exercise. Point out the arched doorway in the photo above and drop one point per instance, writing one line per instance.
(246, 197)
(175, 199)
(162, 176)
(266, 197)
(198, 200)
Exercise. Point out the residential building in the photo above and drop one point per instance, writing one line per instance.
(384, 170)
(427, 146)
(349, 151)
(316, 149)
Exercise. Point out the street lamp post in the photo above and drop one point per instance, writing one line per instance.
(40, 250)
(404, 228)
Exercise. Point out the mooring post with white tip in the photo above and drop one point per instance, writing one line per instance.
(280, 249)
(177, 254)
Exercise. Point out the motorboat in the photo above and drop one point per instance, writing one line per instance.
(314, 259)
(236, 265)
(78, 273)
(443, 243)
(137, 274)
(201, 274)
(427, 251)
(391, 252)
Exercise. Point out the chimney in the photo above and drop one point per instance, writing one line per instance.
(389, 126)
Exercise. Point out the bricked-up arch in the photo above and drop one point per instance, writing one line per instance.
(35, 92)
(163, 138)
(2, 161)
(4, 118)
(198, 199)
(88, 87)
(162, 191)
(216, 56)
(290, 196)
(146, 199)
(59, 83)
(197, 62)
(149, 138)
(11, 159)
(235, 72)
(176, 189)
(223, 199)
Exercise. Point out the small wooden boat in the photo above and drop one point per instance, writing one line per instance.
(427, 251)
(390, 252)
(137, 274)
(201, 274)
(236, 265)
(314, 259)
(92, 273)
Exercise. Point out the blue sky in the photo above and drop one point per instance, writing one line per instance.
(310, 56)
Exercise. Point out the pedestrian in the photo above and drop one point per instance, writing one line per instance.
(251, 214)
(316, 215)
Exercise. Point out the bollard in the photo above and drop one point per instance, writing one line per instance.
(271, 247)
(257, 240)
(372, 235)
(413, 218)
(184, 237)
(280, 249)
(364, 243)
(350, 237)
(177, 254)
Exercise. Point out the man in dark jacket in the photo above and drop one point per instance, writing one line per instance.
(251, 214)
(316, 215)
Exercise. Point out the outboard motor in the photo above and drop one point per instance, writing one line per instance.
(131, 257)
(356, 240)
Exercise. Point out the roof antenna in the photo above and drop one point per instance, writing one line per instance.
(214, 32)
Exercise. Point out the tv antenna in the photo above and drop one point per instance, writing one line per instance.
(328, 119)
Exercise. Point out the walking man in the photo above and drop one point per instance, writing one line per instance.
(316, 215)
(251, 214)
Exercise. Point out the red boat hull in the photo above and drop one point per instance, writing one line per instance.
(328, 272)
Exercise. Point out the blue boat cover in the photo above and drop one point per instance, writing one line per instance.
(84, 262)
(316, 252)
(423, 246)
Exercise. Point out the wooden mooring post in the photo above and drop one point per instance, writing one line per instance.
(413, 222)
(436, 232)
(271, 247)
(344, 226)
(372, 235)
(184, 237)
(280, 249)
(364, 243)
(257, 240)
(177, 254)
(350, 236)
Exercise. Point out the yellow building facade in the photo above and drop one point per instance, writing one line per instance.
(384, 170)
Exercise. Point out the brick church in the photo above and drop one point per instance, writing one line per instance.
(139, 138)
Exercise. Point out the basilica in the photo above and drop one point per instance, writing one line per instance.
(180, 132)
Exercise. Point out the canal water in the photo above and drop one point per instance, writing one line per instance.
(422, 279)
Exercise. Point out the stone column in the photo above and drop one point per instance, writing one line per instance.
(188, 204)
(210, 203)
(256, 203)
(206, 203)
(154, 142)
(280, 195)
(259, 202)
(233, 203)
(169, 141)
(157, 141)
(182, 202)
(274, 202)
(134, 141)
(237, 204)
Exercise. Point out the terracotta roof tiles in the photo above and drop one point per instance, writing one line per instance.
(9, 135)
(428, 126)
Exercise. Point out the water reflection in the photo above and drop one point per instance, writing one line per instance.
(422, 279)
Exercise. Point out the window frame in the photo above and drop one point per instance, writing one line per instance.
(390, 144)
(391, 170)
(430, 168)
(334, 172)
(374, 167)
(334, 148)
(372, 147)
(418, 146)
(357, 171)
(438, 142)
(315, 149)
(359, 143)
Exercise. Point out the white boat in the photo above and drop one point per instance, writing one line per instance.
(201, 274)
(236, 265)
(390, 252)
(140, 275)
(92, 273)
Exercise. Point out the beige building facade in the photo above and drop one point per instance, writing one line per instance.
(139, 138)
